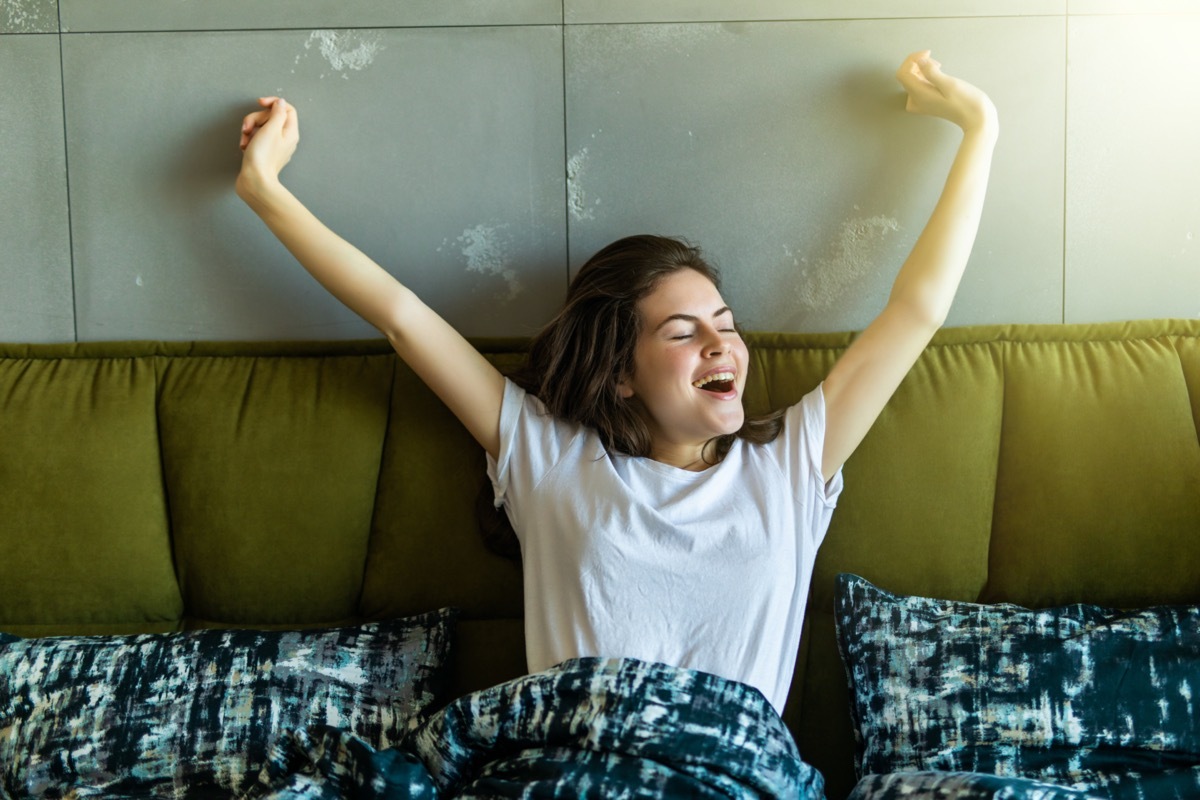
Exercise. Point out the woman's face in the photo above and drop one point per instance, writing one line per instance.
(689, 363)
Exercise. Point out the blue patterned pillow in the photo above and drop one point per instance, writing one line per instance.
(173, 715)
(958, 786)
(1099, 699)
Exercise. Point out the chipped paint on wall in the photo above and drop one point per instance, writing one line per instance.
(344, 51)
(856, 253)
(488, 251)
(28, 16)
(577, 200)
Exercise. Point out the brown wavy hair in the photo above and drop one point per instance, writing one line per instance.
(576, 361)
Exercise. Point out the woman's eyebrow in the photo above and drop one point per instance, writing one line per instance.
(691, 317)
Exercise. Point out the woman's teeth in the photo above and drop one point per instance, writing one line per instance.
(721, 377)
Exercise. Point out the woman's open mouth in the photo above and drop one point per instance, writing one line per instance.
(717, 383)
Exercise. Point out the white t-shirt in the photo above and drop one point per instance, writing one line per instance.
(629, 557)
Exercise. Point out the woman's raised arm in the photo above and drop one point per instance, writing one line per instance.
(867, 374)
(464, 380)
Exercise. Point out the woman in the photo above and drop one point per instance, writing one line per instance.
(655, 521)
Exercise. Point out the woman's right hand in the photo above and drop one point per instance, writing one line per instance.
(269, 138)
(936, 94)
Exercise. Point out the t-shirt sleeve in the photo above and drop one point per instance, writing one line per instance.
(532, 441)
(799, 449)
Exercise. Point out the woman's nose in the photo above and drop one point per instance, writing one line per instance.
(716, 345)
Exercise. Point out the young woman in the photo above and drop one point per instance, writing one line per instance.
(655, 520)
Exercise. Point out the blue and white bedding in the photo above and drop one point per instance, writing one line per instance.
(587, 728)
(934, 785)
(598, 728)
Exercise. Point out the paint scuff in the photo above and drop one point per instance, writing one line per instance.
(577, 200)
(345, 51)
(855, 254)
(604, 49)
(487, 250)
(28, 16)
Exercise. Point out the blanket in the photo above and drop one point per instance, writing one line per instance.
(934, 785)
(586, 728)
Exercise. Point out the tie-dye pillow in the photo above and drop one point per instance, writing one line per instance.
(959, 786)
(1100, 699)
(193, 714)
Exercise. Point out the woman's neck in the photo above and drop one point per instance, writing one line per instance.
(694, 458)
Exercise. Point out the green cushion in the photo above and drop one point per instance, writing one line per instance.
(81, 497)
(425, 525)
(917, 508)
(1098, 489)
(271, 466)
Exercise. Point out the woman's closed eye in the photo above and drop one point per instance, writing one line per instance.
(681, 336)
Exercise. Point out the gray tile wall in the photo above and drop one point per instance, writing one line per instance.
(481, 151)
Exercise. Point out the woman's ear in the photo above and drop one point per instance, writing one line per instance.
(625, 388)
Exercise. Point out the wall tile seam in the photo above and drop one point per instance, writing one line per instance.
(66, 31)
(877, 18)
(290, 29)
(233, 28)
(1066, 150)
(66, 151)
(765, 20)
(306, 28)
(566, 162)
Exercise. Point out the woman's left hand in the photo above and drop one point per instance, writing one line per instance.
(936, 94)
